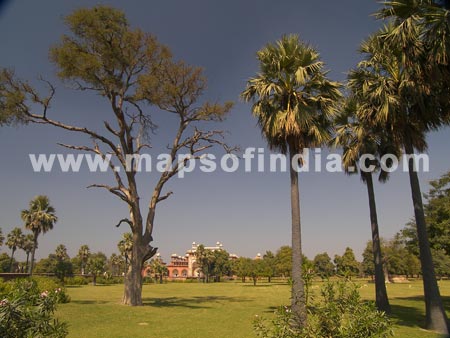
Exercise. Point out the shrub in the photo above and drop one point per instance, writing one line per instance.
(25, 311)
(109, 280)
(51, 285)
(77, 280)
(47, 283)
(338, 313)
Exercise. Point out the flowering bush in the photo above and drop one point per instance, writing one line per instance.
(25, 311)
(338, 313)
(51, 285)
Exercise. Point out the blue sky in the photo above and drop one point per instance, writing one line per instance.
(247, 212)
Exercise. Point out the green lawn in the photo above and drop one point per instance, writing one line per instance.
(219, 310)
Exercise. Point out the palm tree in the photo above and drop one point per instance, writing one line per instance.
(39, 218)
(61, 252)
(115, 261)
(14, 240)
(27, 246)
(357, 140)
(125, 246)
(397, 96)
(83, 254)
(158, 268)
(294, 102)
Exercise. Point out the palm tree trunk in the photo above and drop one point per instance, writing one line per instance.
(298, 301)
(436, 319)
(381, 296)
(11, 261)
(30, 271)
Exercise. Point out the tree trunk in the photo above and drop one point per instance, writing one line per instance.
(26, 265)
(386, 272)
(94, 280)
(32, 253)
(11, 261)
(381, 296)
(298, 301)
(254, 281)
(133, 279)
(436, 319)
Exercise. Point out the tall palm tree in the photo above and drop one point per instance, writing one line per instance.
(294, 103)
(396, 89)
(39, 218)
(357, 140)
(84, 253)
(27, 246)
(14, 240)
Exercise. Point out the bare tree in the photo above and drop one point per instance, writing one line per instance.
(133, 72)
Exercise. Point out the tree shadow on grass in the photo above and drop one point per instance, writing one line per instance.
(271, 309)
(89, 302)
(410, 315)
(193, 302)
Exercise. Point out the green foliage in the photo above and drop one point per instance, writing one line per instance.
(96, 265)
(283, 260)
(10, 100)
(323, 265)
(437, 216)
(346, 265)
(76, 280)
(242, 267)
(108, 280)
(270, 268)
(158, 269)
(4, 262)
(46, 283)
(26, 311)
(338, 313)
(39, 218)
(293, 99)
(441, 262)
(46, 265)
(95, 52)
(256, 269)
(63, 269)
(213, 263)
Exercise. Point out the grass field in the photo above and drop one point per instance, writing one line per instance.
(218, 310)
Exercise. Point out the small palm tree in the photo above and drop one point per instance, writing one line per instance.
(39, 218)
(27, 246)
(61, 252)
(158, 268)
(115, 261)
(14, 240)
(84, 253)
(294, 103)
(125, 246)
